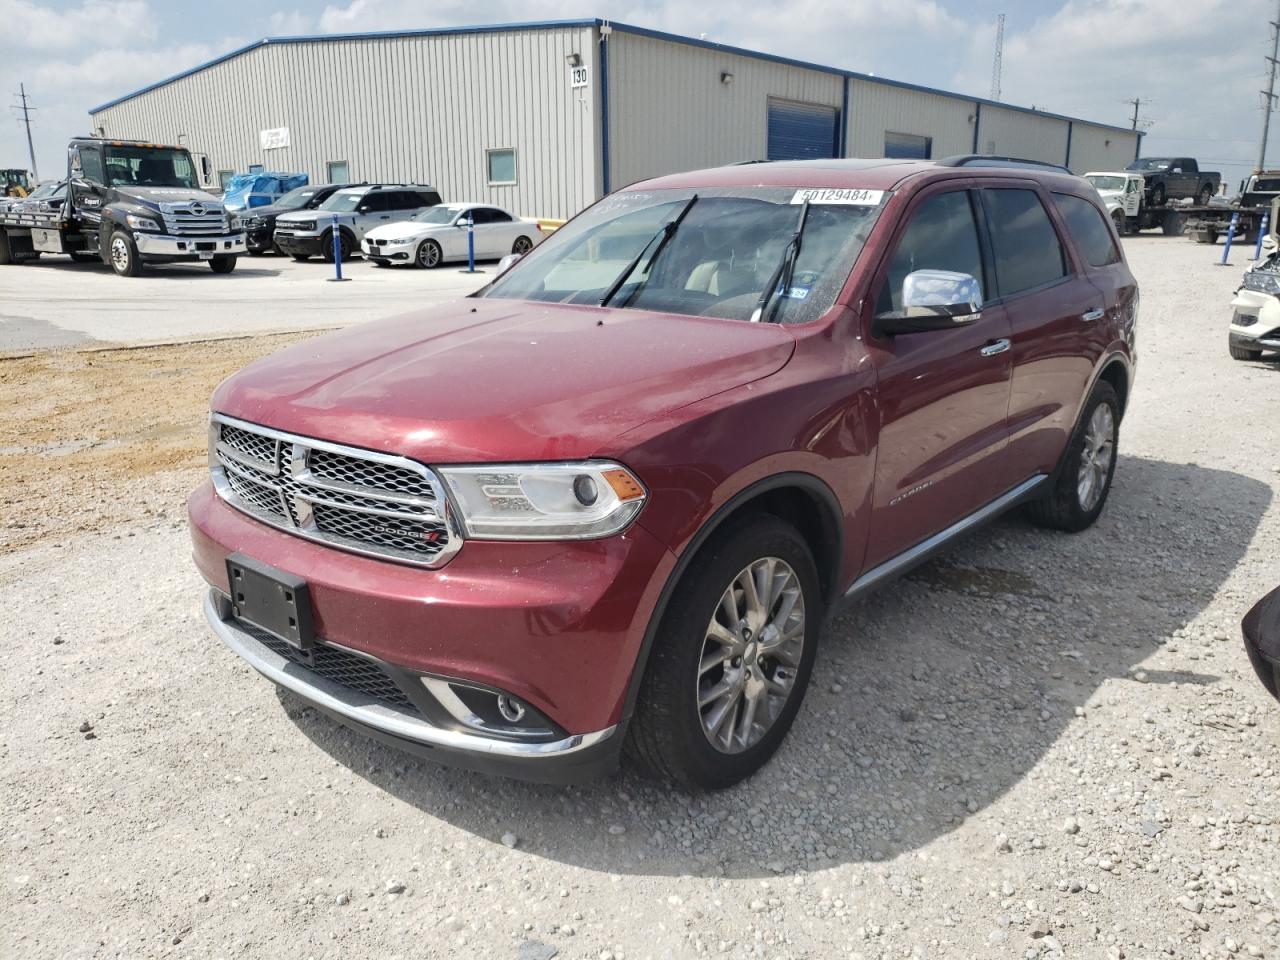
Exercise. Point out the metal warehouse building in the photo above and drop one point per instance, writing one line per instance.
(544, 118)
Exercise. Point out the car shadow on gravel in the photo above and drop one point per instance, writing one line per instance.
(930, 699)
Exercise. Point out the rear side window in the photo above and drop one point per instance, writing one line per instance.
(1088, 230)
(430, 198)
(942, 235)
(1028, 252)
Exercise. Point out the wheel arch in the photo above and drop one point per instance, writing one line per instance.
(1116, 372)
(802, 499)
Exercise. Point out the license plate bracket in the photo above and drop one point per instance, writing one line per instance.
(271, 600)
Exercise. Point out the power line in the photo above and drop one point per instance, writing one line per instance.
(26, 109)
(1270, 93)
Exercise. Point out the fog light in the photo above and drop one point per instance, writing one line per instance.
(511, 711)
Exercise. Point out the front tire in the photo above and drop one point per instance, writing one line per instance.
(1084, 477)
(1157, 195)
(344, 247)
(429, 254)
(1243, 353)
(1206, 194)
(732, 660)
(222, 264)
(122, 254)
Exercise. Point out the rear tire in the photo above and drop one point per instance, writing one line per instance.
(1205, 195)
(1157, 195)
(671, 733)
(1172, 224)
(6, 255)
(1243, 353)
(122, 254)
(222, 264)
(1083, 479)
(522, 246)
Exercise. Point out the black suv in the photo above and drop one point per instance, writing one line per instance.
(259, 223)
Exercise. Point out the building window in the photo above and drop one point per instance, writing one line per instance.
(255, 168)
(502, 166)
(224, 178)
(337, 171)
(907, 146)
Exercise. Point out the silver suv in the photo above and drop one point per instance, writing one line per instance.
(304, 234)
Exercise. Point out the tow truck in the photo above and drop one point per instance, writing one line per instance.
(1130, 208)
(128, 203)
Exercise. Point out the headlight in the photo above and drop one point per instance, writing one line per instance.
(1261, 281)
(400, 240)
(142, 223)
(545, 501)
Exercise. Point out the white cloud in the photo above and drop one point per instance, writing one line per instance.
(32, 26)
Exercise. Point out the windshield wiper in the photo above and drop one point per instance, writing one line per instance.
(784, 271)
(662, 237)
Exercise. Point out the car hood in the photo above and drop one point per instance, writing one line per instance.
(320, 216)
(491, 380)
(156, 197)
(406, 228)
(271, 210)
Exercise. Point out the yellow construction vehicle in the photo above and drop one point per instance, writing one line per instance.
(14, 183)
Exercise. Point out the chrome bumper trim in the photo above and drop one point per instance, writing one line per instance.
(331, 696)
(159, 243)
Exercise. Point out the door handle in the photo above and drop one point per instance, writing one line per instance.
(1091, 315)
(994, 347)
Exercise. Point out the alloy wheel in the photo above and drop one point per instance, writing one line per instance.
(522, 246)
(428, 254)
(1095, 457)
(750, 655)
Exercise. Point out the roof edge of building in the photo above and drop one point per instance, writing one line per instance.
(622, 28)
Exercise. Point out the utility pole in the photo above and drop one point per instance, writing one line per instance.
(26, 120)
(997, 63)
(1138, 102)
(1270, 93)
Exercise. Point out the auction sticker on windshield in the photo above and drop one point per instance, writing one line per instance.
(849, 197)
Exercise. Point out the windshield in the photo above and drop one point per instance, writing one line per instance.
(1107, 183)
(1268, 185)
(1150, 164)
(342, 202)
(441, 215)
(298, 198)
(129, 166)
(715, 264)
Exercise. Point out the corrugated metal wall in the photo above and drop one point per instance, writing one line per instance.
(421, 108)
(669, 110)
(877, 108)
(1101, 148)
(1014, 133)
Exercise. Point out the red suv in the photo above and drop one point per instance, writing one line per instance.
(604, 505)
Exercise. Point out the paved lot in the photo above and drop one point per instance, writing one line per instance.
(1037, 745)
(53, 302)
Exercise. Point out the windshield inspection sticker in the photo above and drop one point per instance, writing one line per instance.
(837, 195)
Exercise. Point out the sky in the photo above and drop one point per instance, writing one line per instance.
(1199, 67)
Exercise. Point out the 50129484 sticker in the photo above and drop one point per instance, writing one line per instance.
(846, 196)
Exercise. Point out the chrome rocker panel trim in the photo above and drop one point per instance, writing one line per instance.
(904, 561)
(334, 698)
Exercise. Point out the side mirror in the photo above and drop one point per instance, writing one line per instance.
(933, 300)
(507, 262)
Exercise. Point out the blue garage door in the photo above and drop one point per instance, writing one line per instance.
(802, 131)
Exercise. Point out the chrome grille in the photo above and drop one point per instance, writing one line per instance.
(193, 219)
(356, 500)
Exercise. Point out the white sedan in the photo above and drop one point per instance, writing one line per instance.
(439, 234)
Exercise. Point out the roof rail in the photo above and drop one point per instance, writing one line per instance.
(980, 160)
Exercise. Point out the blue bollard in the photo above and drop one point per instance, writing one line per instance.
(1231, 232)
(1262, 232)
(337, 253)
(471, 245)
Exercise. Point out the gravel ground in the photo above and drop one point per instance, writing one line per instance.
(1038, 745)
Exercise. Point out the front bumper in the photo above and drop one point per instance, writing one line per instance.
(188, 248)
(557, 625)
(259, 239)
(390, 252)
(1261, 628)
(298, 244)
